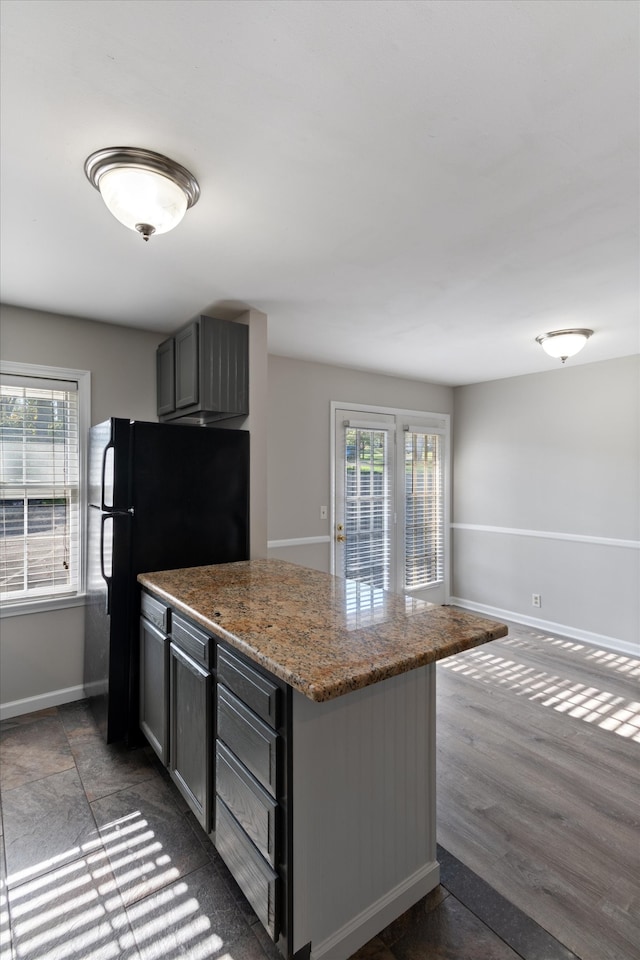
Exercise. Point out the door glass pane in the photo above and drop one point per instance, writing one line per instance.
(367, 554)
(424, 510)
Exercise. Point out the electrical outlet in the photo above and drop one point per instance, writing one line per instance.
(323, 513)
(536, 600)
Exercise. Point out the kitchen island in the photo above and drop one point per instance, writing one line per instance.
(323, 733)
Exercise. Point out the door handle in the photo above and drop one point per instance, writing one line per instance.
(340, 538)
(107, 579)
(103, 504)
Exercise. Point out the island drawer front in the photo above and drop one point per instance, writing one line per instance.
(258, 882)
(253, 808)
(249, 685)
(155, 611)
(253, 742)
(192, 640)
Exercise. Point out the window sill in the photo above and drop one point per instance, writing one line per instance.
(8, 609)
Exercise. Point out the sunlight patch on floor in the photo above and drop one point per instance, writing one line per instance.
(594, 706)
(73, 909)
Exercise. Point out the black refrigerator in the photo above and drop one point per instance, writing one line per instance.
(161, 496)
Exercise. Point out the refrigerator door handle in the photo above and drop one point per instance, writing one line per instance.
(107, 579)
(105, 453)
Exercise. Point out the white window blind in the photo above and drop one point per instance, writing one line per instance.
(39, 488)
(368, 505)
(424, 508)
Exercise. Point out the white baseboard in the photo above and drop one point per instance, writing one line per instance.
(359, 930)
(548, 626)
(16, 708)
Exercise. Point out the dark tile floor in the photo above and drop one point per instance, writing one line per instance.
(101, 858)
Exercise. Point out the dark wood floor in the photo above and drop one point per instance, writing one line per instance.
(539, 783)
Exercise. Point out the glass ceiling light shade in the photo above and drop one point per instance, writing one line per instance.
(144, 190)
(562, 344)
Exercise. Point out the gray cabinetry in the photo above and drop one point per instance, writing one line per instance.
(258, 882)
(203, 372)
(154, 674)
(255, 810)
(186, 366)
(254, 743)
(165, 378)
(221, 724)
(251, 786)
(190, 717)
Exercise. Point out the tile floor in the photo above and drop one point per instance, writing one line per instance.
(101, 859)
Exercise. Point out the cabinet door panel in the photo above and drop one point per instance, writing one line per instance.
(154, 678)
(165, 377)
(186, 362)
(190, 733)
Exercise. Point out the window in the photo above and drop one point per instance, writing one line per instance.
(43, 423)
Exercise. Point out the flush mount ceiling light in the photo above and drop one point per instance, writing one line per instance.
(143, 190)
(563, 343)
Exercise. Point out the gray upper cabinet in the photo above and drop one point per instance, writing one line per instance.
(186, 366)
(203, 372)
(165, 377)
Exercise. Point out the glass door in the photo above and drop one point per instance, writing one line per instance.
(390, 504)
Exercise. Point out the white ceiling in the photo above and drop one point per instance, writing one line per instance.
(416, 188)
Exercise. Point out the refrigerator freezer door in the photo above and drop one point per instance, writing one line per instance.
(109, 444)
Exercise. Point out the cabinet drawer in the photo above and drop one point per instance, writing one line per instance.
(256, 879)
(249, 685)
(155, 611)
(253, 808)
(253, 742)
(192, 639)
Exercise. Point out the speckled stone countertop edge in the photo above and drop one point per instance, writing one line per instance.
(317, 683)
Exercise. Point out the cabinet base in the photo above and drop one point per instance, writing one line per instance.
(366, 925)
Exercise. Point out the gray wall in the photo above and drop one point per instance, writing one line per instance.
(41, 655)
(554, 453)
(299, 477)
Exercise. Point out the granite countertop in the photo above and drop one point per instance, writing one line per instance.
(323, 635)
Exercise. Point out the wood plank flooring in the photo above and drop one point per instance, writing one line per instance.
(539, 783)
